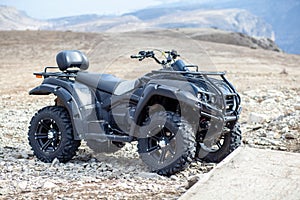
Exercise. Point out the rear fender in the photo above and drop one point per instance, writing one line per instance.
(69, 103)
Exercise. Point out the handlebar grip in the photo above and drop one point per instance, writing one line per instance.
(133, 56)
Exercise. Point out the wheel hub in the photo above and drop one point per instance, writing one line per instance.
(163, 143)
(51, 133)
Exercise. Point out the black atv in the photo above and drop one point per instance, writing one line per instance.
(176, 114)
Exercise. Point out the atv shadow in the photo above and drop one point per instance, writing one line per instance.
(124, 160)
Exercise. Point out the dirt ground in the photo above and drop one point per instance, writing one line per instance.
(24, 52)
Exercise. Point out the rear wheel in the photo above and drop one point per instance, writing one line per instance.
(166, 143)
(51, 135)
(226, 144)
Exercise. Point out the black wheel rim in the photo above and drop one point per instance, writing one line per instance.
(162, 145)
(48, 135)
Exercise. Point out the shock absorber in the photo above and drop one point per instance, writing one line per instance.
(202, 130)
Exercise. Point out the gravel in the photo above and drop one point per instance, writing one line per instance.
(121, 175)
(273, 122)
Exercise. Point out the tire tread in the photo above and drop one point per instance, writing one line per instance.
(70, 146)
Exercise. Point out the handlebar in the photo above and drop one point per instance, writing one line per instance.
(169, 55)
(143, 54)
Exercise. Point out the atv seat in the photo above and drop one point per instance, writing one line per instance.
(106, 82)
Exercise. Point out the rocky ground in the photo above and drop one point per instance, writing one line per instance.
(121, 175)
(273, 120)
(267, 81)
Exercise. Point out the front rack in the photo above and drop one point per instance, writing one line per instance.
(205, 75)
(193, 73)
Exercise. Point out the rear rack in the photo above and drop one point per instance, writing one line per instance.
(66, 74)
(45, 70)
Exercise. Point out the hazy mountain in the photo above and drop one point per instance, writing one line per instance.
(13, 19)
(267, 19)
(90, 23)
(235, 20)
(282, 15)
(228, 19)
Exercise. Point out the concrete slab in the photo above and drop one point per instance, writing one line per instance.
(250, 173)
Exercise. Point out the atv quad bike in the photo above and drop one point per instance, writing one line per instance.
(175, 114)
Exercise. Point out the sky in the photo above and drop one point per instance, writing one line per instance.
(61, 8)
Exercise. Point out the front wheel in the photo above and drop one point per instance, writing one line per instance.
(226, 144)
(51, 135)
(166, 143)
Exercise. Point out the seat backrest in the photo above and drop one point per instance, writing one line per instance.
(72, 58)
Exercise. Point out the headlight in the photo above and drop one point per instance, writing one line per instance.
(207, 97)
(202, 96)
(213, 99)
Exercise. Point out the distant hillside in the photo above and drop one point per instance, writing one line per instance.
(232, 38)
(229, 19)
(90, 23)
(282, 15)
(187, 16)
(236, 20)
(13, 19)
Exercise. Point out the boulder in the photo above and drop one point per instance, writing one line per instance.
(257, 118)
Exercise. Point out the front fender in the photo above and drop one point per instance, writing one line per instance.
(185, 98)
(189, 104)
